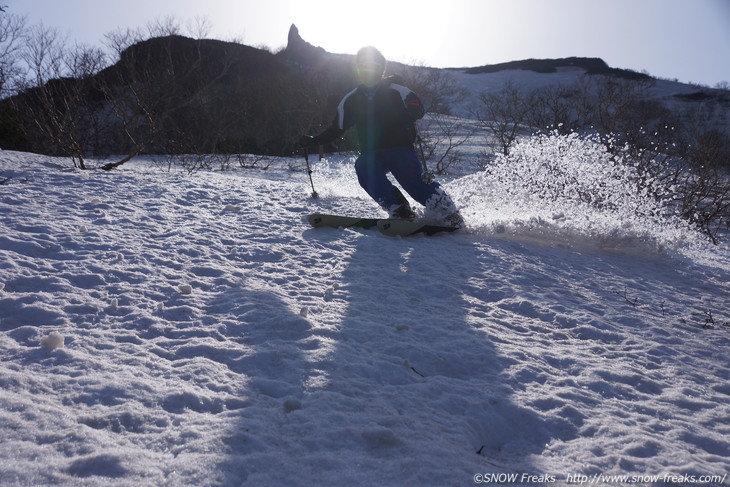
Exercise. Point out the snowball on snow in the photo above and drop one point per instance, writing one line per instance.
(185, 289)
(52, 340)
(292, 404)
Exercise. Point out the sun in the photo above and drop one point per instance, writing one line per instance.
(403, 31)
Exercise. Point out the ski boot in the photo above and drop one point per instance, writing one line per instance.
(402, 212)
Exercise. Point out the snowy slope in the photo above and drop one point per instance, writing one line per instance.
(566, 76)
(212, 338)
(664, 91)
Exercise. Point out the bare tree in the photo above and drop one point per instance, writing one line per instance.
(48, 91)
(13, 31)
(164, 27)
(705, 195)
(504, 113)
(160, 88)
(72, 106)
(614, 106)
(43, 55)
(120, 40)
(60, 106)
(199, 27)
(437, 88)
(553, 109)
(441, 138)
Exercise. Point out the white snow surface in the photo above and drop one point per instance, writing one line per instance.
(206, 335)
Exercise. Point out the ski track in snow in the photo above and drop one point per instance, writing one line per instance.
(213, 338)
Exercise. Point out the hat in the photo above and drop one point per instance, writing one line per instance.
(370, 55)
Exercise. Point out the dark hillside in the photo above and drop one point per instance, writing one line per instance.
(180, 95)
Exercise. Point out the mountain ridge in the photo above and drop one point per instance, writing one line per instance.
(176, 94)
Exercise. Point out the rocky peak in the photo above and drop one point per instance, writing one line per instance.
(301, 51)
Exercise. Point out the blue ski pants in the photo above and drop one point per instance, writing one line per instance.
(373, 166)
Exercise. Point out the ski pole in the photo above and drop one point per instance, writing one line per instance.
(427, 176)
(309, 172)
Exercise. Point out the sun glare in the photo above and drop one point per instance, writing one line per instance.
(404, 31)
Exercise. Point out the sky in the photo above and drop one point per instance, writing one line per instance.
(687, 40)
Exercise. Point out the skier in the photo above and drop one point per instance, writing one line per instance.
(384, 113)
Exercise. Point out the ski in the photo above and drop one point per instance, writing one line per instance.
(336, 221)
(387, 226)
(404, 228)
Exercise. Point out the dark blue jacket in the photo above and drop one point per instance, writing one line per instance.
(384, 116)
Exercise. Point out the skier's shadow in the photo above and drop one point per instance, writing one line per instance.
(424, 384)
(391, 379)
